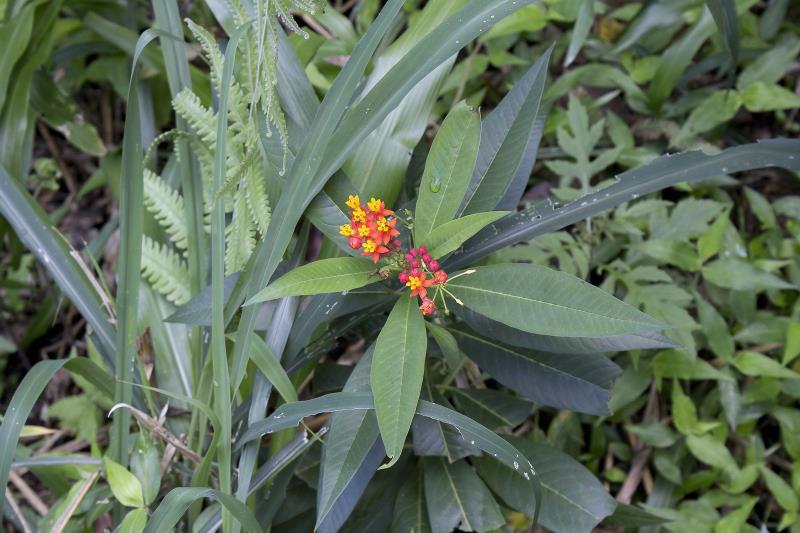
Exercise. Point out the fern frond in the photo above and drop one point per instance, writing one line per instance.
(254, 190)
(165, 271)
(202, 120)
(239, 237)
(166, 205)
(211, 51)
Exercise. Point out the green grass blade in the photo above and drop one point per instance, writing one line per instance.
(580, 31)
(219, 357)
(270, 366)
(33, 228)
(131, 207)
(178, 500)
(724, 12)
(19, 408)
(660, 173)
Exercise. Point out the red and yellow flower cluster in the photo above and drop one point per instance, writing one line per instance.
(371, 228)
(421, 273)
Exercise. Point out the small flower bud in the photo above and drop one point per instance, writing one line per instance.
(409, 257)
(428, 308)
(413, 252)
(433, 265)
(423, 250)
(403, 277)
(355, 243)
(427, 258)
(414, 263)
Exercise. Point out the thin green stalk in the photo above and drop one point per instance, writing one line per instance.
(219, 357)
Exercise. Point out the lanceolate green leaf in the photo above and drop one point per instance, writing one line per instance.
(449, 236)
(580, 31)
(447, 170)
(20, 406)
(270, 366)
(659, 174)
(458, 499)
(510, 138)
(579, 382)
(573, 501)
(397, 370)
(724, 12)
(178, 500)
(540, 300)
(324, 276)
(546, 343)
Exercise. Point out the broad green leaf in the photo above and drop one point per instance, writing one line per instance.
(457, 498)
(715, 329)
(684, 413)
(124, 485)
(758, 364)
(736, 518)
(784, 494)
(710, 242)
(396, 375)
(31, 386)
(270, 366)
(660, 173)
(577, 382)
(677, 253)
(432, 438)
(573, 500)
(631, 516)
(447, 171)
(146, 466)
(678, 364)
(178, 500)
(490, 407)
(134, 522)
(711, 452)
(449, 236)
(770, 66)
(761, 208)
(510, 138)
(540, 300)
(327, 275)
(759, 97)
(546, 343)
(791, 348)
(410, 512)
(718, 108)
(740, 275)
(655, 434)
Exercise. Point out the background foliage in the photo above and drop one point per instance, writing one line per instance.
(700, 433)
